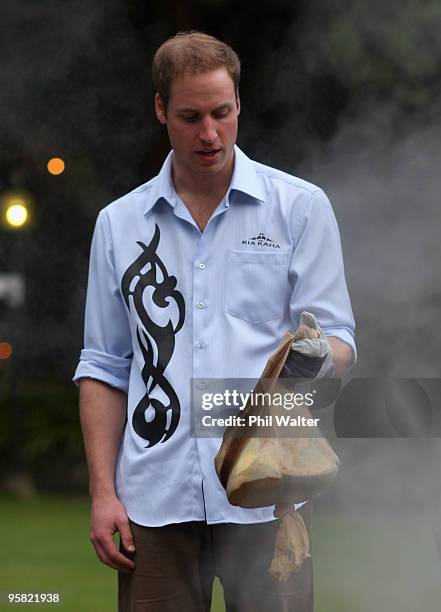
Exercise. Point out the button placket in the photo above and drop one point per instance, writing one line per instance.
(200, 280)
(199, 289)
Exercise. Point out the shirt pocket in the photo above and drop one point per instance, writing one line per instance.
(257, 285)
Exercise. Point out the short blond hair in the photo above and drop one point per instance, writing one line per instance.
(190, 53)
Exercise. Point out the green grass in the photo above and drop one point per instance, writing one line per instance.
(368, 563)
(44, 547)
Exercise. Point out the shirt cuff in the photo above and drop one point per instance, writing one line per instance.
(113, 370)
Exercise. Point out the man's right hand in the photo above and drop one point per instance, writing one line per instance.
(108, 516)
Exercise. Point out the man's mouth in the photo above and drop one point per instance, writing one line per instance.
(208, 152)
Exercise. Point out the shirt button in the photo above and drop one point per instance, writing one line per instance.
(201, 305)
(201, 345)
(201, 385)
(202, 266)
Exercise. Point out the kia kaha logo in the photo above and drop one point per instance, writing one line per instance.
(261, 240)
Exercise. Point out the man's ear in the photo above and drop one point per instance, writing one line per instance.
(238, 103)
(160, 111)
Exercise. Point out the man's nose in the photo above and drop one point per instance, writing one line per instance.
(208, 132)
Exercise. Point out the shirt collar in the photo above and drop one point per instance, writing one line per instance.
(162, 185)
(244, 179)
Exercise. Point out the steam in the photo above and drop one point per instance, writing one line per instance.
(385, 186)
(381, 172)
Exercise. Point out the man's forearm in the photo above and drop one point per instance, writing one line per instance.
(103, 415)
(342, 355)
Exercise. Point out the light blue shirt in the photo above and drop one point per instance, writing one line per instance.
(167, 304)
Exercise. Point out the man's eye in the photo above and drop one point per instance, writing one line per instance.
(221, 114)
(190, 118)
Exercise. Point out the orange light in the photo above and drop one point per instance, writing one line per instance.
(55, 166)
(5, 350)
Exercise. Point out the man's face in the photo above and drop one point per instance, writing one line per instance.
(201, 120)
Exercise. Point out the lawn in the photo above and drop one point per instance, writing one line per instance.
(378, 563)
(45, 548)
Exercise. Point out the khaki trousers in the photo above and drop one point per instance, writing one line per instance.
(176, 565)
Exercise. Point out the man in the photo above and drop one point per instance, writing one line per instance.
(196, 275)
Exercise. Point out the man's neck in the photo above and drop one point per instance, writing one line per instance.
(202, 187)
(201, 194)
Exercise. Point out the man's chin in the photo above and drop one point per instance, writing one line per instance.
(200, 167)
(210, 168)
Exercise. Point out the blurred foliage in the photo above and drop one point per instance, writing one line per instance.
(335, 59)
(40, 435)
(382, 49)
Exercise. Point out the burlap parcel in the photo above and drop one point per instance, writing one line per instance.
(277, 470)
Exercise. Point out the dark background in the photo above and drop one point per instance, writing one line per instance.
(344, 94)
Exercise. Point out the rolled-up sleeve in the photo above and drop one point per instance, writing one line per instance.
(107, 352)
(317, 271)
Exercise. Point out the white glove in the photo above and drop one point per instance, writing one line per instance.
(309, 357)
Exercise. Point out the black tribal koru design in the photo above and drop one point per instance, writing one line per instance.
(143, 273)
